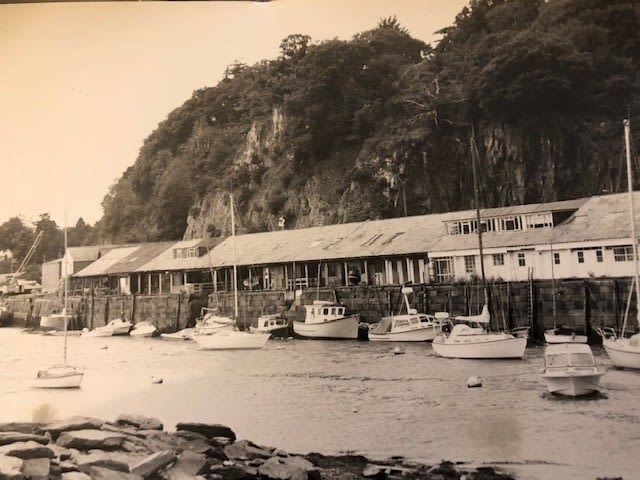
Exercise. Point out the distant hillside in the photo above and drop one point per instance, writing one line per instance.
(380, 126)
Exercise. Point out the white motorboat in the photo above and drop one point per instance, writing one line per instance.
(274, 323)
(143, 330)
(324, 319)
(181, 335)
(563, 335)
(61, 375)
(227, 337)
(570, 369)
(97, 332)
(409, 327)
(474, 341)
(624, 352)
(119, 326)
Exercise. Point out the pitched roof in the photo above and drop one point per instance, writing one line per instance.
(166, 261)
(100, 266)
(137, 258)
(88, 253)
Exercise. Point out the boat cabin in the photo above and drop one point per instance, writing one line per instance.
(323, 311)
(568, 355)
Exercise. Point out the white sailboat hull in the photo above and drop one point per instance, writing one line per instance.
(345, 327)
(573, 384)
(58, 376)
(623, 352)
(231, 340)
(425, 334)
(483, 347)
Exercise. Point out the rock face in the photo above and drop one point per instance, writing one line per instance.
(132, 448)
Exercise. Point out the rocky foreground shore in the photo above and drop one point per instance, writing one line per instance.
(135, 447)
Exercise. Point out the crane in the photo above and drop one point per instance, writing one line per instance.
(12, 285)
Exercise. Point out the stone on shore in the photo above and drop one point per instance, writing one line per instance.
(26, 450)
(188, 465)
(153, 463)
(289, 468)
(11, 468)
(210, 431)
(139, 421)
(12, 437)
(88, 439)
(100, 459)
(22, 427)
(70, 424)
(246, 450)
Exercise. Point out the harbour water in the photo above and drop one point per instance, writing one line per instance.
(342, 396)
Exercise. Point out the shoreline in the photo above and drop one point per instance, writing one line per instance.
(134, 447)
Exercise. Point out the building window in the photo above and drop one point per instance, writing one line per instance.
(443, 270)
(521, 260)
(470, 264)
(580, 256)
(599, 258)
(498, 259)
(556, 258)
(511, 223)
(623, 254)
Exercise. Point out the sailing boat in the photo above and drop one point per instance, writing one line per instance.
(475, 340)
(226, 338)
(625, 352)
(562, 333)
(61, 375)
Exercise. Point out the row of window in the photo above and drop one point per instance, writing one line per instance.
(501, 224)
(444, 270)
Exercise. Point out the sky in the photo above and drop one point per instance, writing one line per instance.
(83, 84)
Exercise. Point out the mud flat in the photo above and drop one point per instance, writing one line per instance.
(137, 447)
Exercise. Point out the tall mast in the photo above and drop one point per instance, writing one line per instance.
(634, 241)
(233, 256)
(66, 288)
(474, 158)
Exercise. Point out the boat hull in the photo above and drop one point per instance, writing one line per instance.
(231, 340)
(97, 332)
(58, 377)
(426, 334)
(507, 347)
(143, 330)
(550, 336)
(55, 321)
(573, 384)
(180, 335)
(341, 328)
(622, 352)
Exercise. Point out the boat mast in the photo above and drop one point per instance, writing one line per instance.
(634, 241)
(474, 159)
(233, 257)
(66, 291)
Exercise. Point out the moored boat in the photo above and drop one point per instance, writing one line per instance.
(570, 369)
(181, 335)
(275, 324)
(58, 376)
(143, 330)
(227, 339)
(324, 319)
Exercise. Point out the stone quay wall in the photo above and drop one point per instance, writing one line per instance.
(583, 304)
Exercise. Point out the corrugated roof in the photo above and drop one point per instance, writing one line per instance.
(100, 266)
(89, 253)
(166, 261)
(143, 254)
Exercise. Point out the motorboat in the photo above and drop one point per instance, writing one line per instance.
(409, 327)
(325, 319)
(563, 334)
(143, 329)
(228, 339)
(59, 376)
(473, 340)
(570, 369)
(275, 324)
(97, 332)
(181, 335)
(119, 326)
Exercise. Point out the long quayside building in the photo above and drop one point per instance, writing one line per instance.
(572, 239)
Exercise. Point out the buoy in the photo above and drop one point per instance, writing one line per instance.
(104, 347)
(474, 382)
(156, 379)
(398, 351)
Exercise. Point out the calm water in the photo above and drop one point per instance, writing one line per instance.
(342, 396)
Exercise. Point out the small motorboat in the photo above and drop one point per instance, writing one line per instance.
(143, 329)
(119, 326)
(58, 376)
(181, 335)
(275, 324)
(570, 369)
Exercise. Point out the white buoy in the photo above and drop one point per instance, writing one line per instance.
(398, 351)
(156, 380)
(474, 382)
